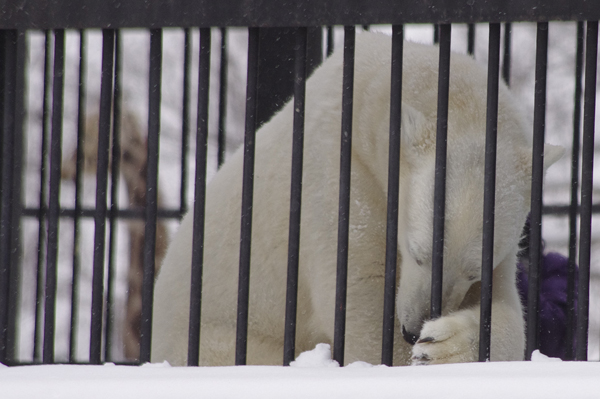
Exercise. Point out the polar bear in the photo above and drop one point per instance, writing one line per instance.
(450, 338)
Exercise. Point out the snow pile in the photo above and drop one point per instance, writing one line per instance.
(493, 380)
(318, 357)
(537, 356)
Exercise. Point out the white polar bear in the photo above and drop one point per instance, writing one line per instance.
(451, 338)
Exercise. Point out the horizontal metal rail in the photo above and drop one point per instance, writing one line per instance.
(50, 14)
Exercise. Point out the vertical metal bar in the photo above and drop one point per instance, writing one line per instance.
(330, 40)
(247, 198)
(439, 195)
(43, 196)
(222, 98)
(8, 124)
(537, 175)
(436, 33)
(185, 119)
(108, 42)
(78, 185)
(489, 194)
(289, 343)
(344, 201)
(587, 175)
(574, 203)
(114, 198)
(391, 252)
(506, 55)
(11, 117)
(200, 198)
(471, 40)
(154, 98)
(17, 205)
(53, 203)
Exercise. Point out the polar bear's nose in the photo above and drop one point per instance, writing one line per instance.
(408, 336)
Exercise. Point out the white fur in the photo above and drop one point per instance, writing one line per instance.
(454, 336)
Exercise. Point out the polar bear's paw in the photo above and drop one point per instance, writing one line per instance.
(449, 339)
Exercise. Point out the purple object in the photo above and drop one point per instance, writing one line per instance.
(552, 302)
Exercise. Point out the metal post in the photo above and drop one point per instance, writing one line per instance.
(54, 194)
(200, 198)
(574, 203)
(489, 194)
(247, 198)
(344, 200)
(289, 345)
(108, 46)
(587, 176)
(79, 166)
(439, 195)
(391, 247)
(537, 175)
(154, 97)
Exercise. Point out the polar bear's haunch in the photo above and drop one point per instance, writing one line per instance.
(451, 338)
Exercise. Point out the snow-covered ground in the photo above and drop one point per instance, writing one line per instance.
(136, 45)
(315, 377)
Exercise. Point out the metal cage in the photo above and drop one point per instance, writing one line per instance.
(296, 22)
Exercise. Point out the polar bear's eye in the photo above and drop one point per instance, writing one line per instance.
(419, 262)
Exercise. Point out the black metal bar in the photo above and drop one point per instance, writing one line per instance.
(8, 57)
(247, 194)
(439, 195)
(43, 207)
(183, 13)
(17, 187)
(114, 199)
(574, 205)
(289, 343)
(162, 213)
(154, 98)
(391, 247)
(537, 175)
(129, 213)
(200, 198)
(489, 194)
(330, 40)
(222, 98)
(53, 203)
(344, 200)
(106, 87)
(11, 118)
(185, 119)
(471, 40)
(506, 54)
(587, 186)
(436, 33)
(79, 172)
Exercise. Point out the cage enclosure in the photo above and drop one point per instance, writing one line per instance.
(116, 118)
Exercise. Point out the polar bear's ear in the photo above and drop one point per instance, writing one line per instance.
(552, 153)
(414, 129)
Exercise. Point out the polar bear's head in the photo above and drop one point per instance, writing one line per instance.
(464, 211)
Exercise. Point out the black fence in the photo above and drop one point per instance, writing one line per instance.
(269, 23)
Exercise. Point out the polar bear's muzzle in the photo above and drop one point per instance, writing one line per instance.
(409, 337)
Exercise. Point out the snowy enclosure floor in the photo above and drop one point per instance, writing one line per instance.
(472, 380)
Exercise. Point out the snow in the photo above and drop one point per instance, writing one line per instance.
(315, 376)
(318, 357)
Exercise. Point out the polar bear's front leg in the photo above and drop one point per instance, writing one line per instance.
(454, 338)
